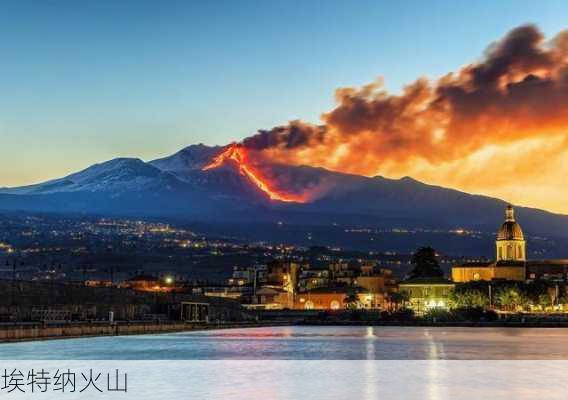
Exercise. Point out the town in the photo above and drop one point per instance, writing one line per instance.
(103, 268)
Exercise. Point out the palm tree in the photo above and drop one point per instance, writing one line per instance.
(509, 298)
(397, 300)
(470, 297)
(544, 300)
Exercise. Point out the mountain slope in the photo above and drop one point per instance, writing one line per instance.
(115, 176)
(190, 158)
(176, 186)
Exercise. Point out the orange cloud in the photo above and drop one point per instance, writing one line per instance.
(498, 127)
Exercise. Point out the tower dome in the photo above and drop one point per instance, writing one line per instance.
(510, 239)
(510, 230)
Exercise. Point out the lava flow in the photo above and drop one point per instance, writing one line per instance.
(237, 153)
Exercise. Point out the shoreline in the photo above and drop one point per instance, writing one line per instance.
(29, 332)
(443, 324)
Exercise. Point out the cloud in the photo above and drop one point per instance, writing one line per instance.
(517, 93)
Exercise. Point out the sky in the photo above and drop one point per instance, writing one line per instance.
(84, 82)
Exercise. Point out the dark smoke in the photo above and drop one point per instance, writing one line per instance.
(518, 90)
(295, 134)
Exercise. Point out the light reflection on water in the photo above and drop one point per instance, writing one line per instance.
(310, 343)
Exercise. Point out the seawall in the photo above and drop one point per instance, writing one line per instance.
(16, 332)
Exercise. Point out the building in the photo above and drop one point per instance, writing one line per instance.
(293, 285)
(235, 292)
(284, 274)
(510, 243)
(247, 275)
(556, 270)
(427, 293)
(376, 280)
(270, 298)
(489, 271)
(337, 298)
(98, 283)
(511, 262)
(76, 302)
(313, 278)
(143, 283)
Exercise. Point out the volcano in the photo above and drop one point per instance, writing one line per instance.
(237, 154)
(230, 184)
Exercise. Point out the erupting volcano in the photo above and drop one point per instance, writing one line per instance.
(238, 154)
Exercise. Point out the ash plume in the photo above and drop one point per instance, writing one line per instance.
(516, 95)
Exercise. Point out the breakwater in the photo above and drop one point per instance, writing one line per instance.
(15, 332)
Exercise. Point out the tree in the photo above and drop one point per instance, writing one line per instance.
(351, 301)
(425, 264)
(539, 293)
(470, 298)
(397, 300)
(510, 298)
(544, 301)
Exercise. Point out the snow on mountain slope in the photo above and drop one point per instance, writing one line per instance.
(189, 159)
(117, 175)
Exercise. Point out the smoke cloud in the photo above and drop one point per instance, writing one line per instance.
(495, 124)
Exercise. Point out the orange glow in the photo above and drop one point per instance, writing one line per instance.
(237, 153)
(497, 127)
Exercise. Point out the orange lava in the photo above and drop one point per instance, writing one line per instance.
(237, 154)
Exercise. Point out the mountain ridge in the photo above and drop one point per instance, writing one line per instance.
(177, 186)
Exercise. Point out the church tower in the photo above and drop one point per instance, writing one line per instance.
(510, 240)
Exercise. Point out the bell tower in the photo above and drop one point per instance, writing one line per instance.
(510, 242)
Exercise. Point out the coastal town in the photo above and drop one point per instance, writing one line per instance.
(274, 281)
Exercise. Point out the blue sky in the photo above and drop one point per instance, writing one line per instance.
(83, 82)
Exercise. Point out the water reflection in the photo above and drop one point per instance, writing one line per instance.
(310, 343)
(370, 345)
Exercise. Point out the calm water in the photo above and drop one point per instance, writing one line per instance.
(309, 343)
